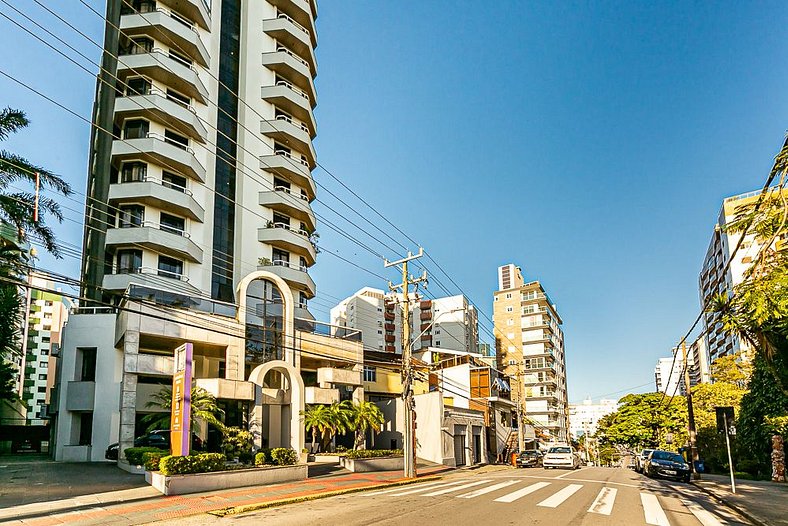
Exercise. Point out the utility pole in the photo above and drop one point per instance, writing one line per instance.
(409, 435)
(690, 413)
(520, 403)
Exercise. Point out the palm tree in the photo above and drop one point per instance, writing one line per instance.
(364, 416)
(318, 419)
(16, 208)
(203, 409)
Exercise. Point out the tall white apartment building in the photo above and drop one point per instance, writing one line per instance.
(584, 418)
(668, 375)
(199, 227)
(530, 346)
(714, 280)
(449, 323)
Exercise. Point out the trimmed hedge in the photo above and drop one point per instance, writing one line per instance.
(279, 456)
(238, 444)
(202, 463)
(135, 454)
(372, 453)
(151, 460)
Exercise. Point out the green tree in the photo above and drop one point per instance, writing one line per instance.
(733, 369)
(319, 420)
(203, 409)
(646, 420)
(363, 417)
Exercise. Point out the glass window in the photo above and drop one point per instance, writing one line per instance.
(176, 139)
(133, 172)
(138, 46)
(171, 180)
(370, 374)
(172, 224)
(137, 86)
(131, 216)
(129, 261)
(281, 219)
(88, 369)
(280, 256)
(135, 129)
(170, 267)
(85, 429)
(178, 98)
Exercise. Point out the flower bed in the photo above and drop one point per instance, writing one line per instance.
(363, 460)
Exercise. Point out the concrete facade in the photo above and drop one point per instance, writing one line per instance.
(584, 418)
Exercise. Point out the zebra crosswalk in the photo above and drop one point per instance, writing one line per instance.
(549, 495)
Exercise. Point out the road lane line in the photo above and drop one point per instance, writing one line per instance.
(419, 490)
(455, 488)
(557, 498)
(513, 496)
(703, 515)
(567, 473)
(603, 503)
(421, 486)
(652, 510)
(488, 489)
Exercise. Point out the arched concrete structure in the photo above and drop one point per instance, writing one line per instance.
(288, 313)
(296, 405)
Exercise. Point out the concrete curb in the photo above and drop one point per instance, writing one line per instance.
(741, 511)
(235, 510)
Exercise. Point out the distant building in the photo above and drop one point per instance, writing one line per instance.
(698, 358)
(530, 347)
(584, 418)
(668, 375)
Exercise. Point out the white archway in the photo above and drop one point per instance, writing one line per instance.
(296, 405)
(288, 314)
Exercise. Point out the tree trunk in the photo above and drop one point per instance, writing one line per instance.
(314, 442)
(778, 459)
(361, 443)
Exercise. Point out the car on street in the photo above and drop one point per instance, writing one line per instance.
(640, 459)
(667, 464)
(530, 459)
(159, 438)
(561, 457)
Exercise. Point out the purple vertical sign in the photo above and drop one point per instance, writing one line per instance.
(180, 417)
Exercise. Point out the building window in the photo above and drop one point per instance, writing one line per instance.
(137, 86)
(85, 429)
(171, 180)
(42, 377)
(137, 46)
(437, 344)
(42, 389)
(302, 300)
(508, 295)
(88, 368)
(509, 309)
(129, 261)
(176, 139)
(131, 216)
(172, 224)
(133, 172)
(280, 257)
(170, 267)
(135, 129)
(370, 374)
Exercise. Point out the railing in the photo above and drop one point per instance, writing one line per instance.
(285, 226)
(158, 93)
(291, 87)
(117, 271)
(326, 329)
(291, 156)
(160, 182)
(289, 19)
(163, 138)
(288, 191)
(291, 121)
(91, 310)
(150, 224)
(284, 263)
(292, 54)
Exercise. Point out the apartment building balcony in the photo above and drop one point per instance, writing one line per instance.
(225, 389)
(390, 338)
(426, 338)
(195, 10)
(425, 315)
(334, 376)
(154, 238)
(293, 240)
(425, 304)
(119, 280)
(294, 275)
(167, 111)
(291, 99)
(294, 36)
(156, 149)
(389, 316)
(549, 381)
(293, 68)
(302, 11)
(154, 192)
(295, 169)
(389, 327)
(296, 206)
(80, 396)
(149, 364)
(390, 348)
(159, 65)
(289, 133)
(168, 26)
(321, 395)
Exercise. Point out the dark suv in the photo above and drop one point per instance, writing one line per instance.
(667, 464)
(529, 459)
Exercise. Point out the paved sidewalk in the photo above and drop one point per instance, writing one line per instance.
(172, 507)
(762, 502)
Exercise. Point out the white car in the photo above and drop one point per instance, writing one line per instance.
(561, 457)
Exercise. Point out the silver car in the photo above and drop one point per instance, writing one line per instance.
(561, 457)
(640, 459)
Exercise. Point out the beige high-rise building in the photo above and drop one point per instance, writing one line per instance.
(530, 349)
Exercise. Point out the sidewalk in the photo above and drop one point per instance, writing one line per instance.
(104, 509)
(762, 502)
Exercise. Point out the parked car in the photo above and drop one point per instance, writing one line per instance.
(530, 459)
(159, 438)
(561, 457)
(640, 459)
(667, 464)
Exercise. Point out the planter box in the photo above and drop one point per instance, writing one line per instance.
(328, 459)
(135, 470)
(361, 465)
(199, 482)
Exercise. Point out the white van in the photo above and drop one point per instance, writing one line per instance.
(561, 457)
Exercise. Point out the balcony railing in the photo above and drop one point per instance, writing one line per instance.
(284, 263)
(292, 54)
(150, 271)
(288, 191)
(289, 19)
(163, 138)
(294, 123)
(161, 182)
(291, 157)
(150, 224)
(293, 88)
(285, 226)
(326, 329)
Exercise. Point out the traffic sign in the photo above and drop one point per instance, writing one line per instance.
(725, 417)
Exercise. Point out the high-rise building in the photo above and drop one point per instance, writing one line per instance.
(199, 228)
(668, 375)
(530, 347)
(698, 359)
(448, 323)
(713, 278)
(584, 418)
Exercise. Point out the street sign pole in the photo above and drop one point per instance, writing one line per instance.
(728, 443)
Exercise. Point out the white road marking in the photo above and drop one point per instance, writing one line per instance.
(455, 488)
(652, 510)
(419, 490)
(402, 488)
(557, 498)
(513, 496)
(704, 516)
(567, 473)
(603, 503)
(488, 489)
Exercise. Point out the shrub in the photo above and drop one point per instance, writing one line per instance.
(373, 453)
(150, 460)
(135, 454)
(341, 449)
(202, 463)
(283, 456)
(263, 457)
(237, 443)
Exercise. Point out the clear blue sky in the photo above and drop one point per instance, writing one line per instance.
(590, 144)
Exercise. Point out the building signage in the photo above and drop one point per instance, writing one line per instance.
(180, 417)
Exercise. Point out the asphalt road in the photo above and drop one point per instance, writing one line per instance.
(589, 496)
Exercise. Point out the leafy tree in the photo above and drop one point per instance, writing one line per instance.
(705, 397)
(733, 369)
(203, 409)
(644, 420)
(363, 417)
(318, 419)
